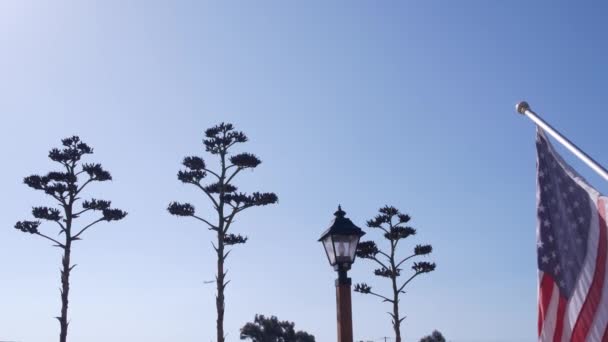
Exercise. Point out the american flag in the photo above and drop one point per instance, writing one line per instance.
(571, 249)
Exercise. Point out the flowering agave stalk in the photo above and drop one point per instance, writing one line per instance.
(393, 224)
(66, 187)
(225, 199)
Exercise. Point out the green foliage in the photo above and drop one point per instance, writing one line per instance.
(270, 329)
(436, 336)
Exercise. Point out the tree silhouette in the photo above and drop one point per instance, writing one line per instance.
(66, 188)
(270, 329)
(436, 336)
(392, 224)
(222, 193)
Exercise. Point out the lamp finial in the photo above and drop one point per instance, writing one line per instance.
(340, 213)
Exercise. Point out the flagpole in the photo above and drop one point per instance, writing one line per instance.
(524, 109)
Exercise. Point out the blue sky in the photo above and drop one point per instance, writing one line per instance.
(358, 103)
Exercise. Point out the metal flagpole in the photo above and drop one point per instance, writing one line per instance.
(524, 109)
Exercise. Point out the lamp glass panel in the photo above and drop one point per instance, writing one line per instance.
(344, 246)
(329, 249)
(354, 241)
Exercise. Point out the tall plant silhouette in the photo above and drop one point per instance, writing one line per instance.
(392, 224)
(66, 188)
(227, 202)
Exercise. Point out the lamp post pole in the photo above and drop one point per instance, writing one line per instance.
(344, 307)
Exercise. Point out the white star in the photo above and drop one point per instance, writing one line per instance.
(541, 173)
(553, 255)
(539, 244)
(571, 188)
(575, 204)
(546, 223)
(581, 220)
(553, 201)
(569, 210)
(541, 208)
(545, 259)
(557, 269)
(550, 238)
(562, 283)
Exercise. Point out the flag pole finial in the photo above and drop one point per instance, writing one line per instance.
(522, 107)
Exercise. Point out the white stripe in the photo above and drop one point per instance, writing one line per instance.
(601, 316)
(576, 302)
(546, 334)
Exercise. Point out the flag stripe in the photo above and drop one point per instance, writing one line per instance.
(544, 298)
(585, 318)
(559, 324)
(550, 315)
(567, 328)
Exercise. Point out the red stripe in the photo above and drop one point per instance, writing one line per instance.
(559, 324)
(585, 318)
(544, 298)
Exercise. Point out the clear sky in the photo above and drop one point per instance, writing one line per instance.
(358, 103)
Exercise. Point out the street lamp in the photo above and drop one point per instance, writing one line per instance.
(340, 241)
